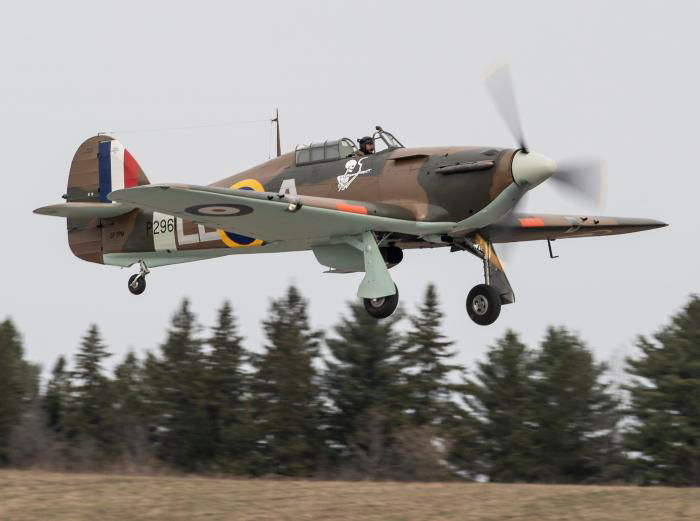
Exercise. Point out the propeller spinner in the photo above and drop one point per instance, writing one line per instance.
(580, 177)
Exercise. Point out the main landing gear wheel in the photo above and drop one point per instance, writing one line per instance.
(137, 284)
(483, 304)
(382, 307)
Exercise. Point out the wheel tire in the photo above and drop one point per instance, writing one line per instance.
(483, 304)
(382, 307)
(137, 285)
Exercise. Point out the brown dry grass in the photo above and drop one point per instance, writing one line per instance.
(35, 495)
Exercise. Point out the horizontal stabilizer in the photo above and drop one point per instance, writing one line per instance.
(85, 210)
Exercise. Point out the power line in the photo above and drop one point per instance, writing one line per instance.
(190, 127)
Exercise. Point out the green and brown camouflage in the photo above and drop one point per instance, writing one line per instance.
(323, 197)
(432, 184)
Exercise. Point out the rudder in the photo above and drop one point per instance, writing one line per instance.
(100, 165)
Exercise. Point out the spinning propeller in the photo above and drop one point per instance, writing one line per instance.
(581, 177)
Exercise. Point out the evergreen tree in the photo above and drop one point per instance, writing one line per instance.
(18, 383)
(227, 388)
(177, 390)
(362, 381)
(90, 417)
(56, 397)
(151, 388)
(665, 401)
(498, 435)
(427, 388)
(285, 392)
(130, 416)
(574, 411)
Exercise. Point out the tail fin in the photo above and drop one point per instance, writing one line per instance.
(102, 164)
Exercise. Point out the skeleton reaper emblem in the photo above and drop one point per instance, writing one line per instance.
(353, 168)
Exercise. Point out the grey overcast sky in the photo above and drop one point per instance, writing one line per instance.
(616, 79)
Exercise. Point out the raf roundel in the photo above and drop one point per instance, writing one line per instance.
(226, 210)
(234, 240)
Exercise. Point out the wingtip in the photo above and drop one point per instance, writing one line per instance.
(43, 210)
(657, 224)
(646, 224)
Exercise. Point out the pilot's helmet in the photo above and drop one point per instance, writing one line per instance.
(365, 140)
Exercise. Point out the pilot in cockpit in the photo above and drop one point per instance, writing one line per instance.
(366, 146)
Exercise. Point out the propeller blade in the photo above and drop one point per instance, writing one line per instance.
(582, 177)
(500, 86)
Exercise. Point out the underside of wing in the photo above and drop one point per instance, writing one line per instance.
(268, 216)
(533, 227)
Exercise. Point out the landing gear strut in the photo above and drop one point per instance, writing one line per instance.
(137, 282)
(484, 300)
(382, 307)
(376, 287)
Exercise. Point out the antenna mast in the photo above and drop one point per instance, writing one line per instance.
(277, 120)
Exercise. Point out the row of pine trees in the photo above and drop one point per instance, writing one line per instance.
(369, 400)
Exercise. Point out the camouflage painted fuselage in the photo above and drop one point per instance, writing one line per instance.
(463, 191)
(440, 184)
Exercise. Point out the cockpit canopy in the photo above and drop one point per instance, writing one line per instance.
(325, 151)
(342, 148)
(382, 137)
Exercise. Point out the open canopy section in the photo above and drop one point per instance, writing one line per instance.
(385, 140)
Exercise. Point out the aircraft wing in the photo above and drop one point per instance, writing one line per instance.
(533, 227)
(269, 216)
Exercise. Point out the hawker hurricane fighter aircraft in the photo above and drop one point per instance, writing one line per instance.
(355, 209)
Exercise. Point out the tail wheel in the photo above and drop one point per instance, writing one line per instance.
(137, 284)
(483, 304)
(382, 307)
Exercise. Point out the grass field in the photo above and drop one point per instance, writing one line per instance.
(33, 495)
